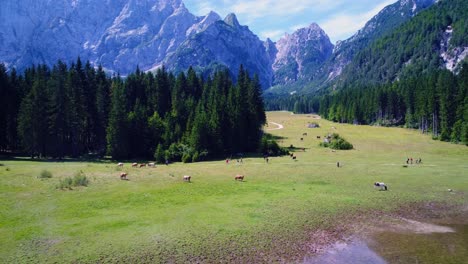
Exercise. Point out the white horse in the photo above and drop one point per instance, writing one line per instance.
(383, 186)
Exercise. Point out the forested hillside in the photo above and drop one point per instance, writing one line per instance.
(435, 103)
(401, 79)
(413, 49)
(77, 110)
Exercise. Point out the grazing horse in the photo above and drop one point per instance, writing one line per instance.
(120, 164)
(239, 177)
(152, 164)
(383, 186)
(123, 176)
(187, 178)
(142, 165)
(134, 165)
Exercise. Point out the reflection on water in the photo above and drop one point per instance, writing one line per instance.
(395, 246)
(451, 247)
(355, 251)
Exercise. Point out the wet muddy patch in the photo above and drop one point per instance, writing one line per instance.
(398, 239)
(440, 244)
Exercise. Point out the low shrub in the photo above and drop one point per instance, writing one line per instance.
(65, 183)
(45, 174)
(195, 157)
(268, 145)
(186, 158)
(80, 179)
(335, 141)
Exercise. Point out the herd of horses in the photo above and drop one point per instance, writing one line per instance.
(187, 178)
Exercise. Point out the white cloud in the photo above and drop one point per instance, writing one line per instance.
(271, 18)
(343, 25)
(298, 26)
(272, 34)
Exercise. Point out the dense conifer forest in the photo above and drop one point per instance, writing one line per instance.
(75, 111)
(436, 103)
(400, 80)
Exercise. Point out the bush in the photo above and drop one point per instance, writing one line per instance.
(341, 144)
(159, 154)
(186, 158)
(80, 179)
(269, 146)
(65, 183)
(45, 174)
(337, 142)
(195, 157)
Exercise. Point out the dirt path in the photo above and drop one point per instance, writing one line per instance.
(279, 126)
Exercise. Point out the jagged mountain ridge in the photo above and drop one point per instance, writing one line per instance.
(383, 23)
(224, 44)
(119, 34)
(301, 53)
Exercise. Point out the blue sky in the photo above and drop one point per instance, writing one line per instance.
(272, 18)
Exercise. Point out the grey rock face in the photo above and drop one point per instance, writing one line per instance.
(224, 44)
(301, 54)
(124, 34)
(119, 34)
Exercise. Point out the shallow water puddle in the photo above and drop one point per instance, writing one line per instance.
(406, 241)
(356, 251)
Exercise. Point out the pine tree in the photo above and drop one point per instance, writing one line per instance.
(117, 131)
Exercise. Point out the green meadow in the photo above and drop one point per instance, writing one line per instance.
(157, 217)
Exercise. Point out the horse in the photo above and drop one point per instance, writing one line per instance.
(383, 186)
(120, 164)
(239, 177)
(123, 176)
(142, 165)
(134, 165)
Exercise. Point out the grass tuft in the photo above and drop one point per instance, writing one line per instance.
(45, 174)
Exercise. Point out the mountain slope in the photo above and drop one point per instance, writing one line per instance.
(436, 38)
(383, 23)
(224, 44)
(301, 53)
(119, 34)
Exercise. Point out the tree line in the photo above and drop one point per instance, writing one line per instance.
(77, 110)
(436, 103)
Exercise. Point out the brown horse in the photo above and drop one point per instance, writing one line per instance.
(239, 177)
(123, 176)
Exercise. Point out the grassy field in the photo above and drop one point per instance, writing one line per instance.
(156, 217)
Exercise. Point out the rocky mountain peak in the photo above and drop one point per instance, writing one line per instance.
(300, 52)
(231, 20)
